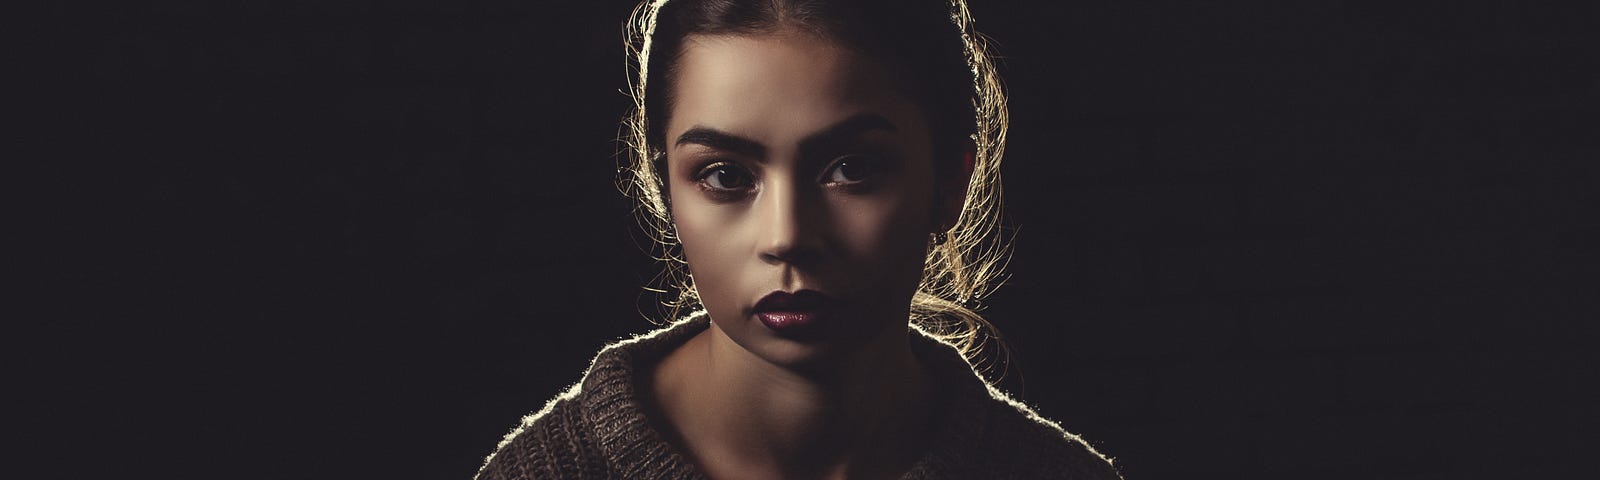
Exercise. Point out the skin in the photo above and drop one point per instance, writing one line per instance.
(774, 209)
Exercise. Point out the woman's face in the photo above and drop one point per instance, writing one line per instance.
(795, 164)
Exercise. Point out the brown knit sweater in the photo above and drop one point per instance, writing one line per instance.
(597, 429)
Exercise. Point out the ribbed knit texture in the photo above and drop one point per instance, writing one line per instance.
(597, 429)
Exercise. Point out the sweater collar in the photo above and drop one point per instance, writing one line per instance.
(635, 449)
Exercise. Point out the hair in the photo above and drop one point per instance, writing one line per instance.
(940, 61)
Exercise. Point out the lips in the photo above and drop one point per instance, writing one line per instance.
(794, 314)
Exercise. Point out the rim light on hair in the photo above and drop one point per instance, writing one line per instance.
(959, 271)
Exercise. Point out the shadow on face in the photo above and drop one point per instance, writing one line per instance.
(796, 164)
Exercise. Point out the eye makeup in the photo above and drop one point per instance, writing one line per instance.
(724, 180)
(856, 172)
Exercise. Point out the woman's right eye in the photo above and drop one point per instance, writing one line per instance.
(725, 177)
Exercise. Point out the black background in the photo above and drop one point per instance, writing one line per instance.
(311, 239)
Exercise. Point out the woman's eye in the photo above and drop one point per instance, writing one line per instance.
(725, 177)
(852, 169)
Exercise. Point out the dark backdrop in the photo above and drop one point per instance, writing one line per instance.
(362, 238)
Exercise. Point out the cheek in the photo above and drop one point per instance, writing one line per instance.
(889, 230)
(711, 244)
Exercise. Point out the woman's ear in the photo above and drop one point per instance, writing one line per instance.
(953, 188)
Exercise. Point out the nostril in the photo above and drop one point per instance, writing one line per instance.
(793, 256)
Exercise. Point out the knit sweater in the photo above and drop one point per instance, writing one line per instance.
(598, 428)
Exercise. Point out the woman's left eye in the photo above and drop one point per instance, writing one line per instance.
(852, 169)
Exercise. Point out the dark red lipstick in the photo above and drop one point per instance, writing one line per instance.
(793, 313)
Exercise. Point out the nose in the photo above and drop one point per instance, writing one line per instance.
(790, 233)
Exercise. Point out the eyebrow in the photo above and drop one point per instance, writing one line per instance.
(722, 141)
(838, 133)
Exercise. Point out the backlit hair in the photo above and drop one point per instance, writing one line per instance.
(938, 57)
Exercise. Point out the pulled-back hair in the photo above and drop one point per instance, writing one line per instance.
(935, 56)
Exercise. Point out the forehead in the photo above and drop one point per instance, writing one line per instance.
(770, 85)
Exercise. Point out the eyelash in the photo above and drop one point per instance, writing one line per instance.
(876, 164)
(701, 179)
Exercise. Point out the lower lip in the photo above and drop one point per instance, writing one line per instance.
(790, 322)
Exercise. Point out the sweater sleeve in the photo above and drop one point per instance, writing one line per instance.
(553, 445)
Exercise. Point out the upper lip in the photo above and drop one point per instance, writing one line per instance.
(803, 300)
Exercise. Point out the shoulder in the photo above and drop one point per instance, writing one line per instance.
(1024, 444)
(596, 428)
(550, 443)
(985, 432)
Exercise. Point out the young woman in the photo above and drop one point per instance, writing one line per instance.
(827, 172)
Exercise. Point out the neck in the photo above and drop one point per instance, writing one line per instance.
(741, 416)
